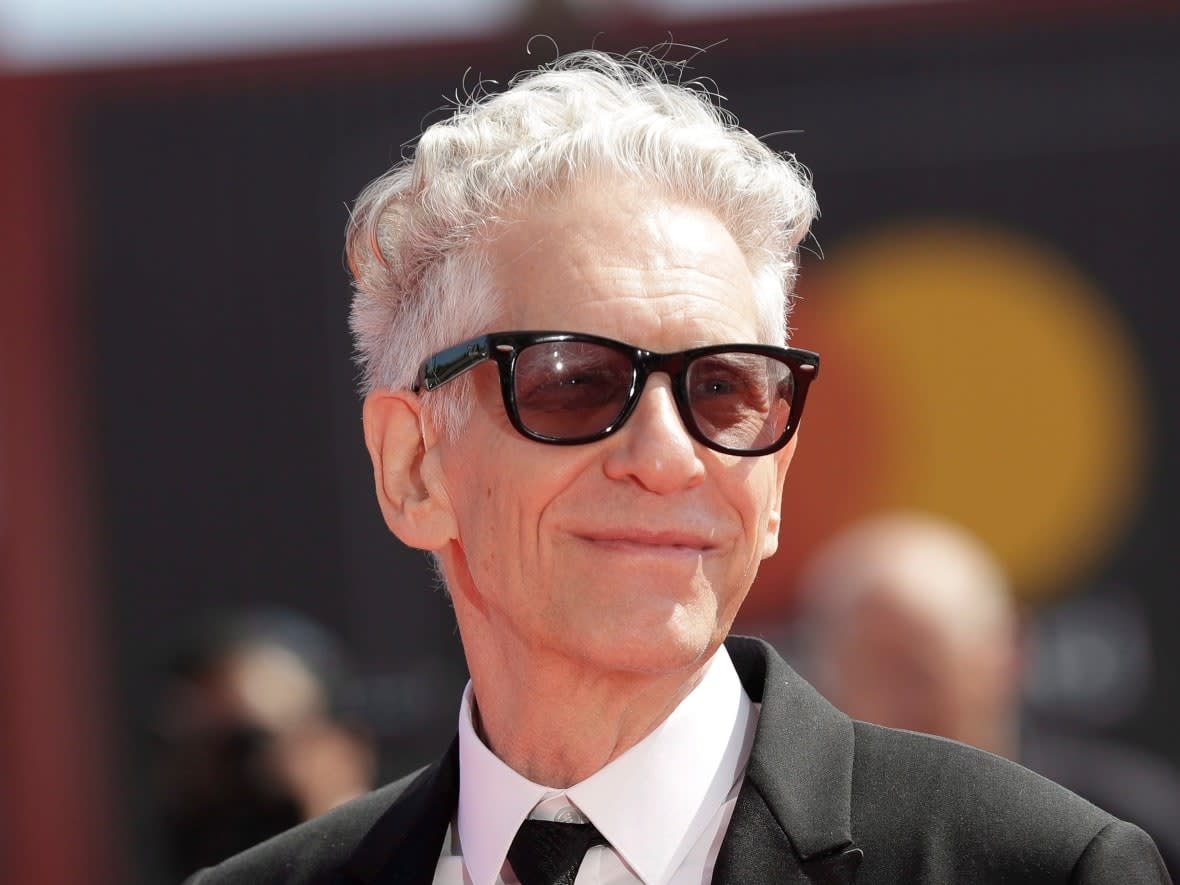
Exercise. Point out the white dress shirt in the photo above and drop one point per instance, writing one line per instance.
(663, 805)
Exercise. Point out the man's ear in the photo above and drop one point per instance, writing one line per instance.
(406, 471)
(782, 461)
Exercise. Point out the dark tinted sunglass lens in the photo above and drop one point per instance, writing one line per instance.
(741, 400)
(571, 389)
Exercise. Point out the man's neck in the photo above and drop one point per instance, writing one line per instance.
(556, 723)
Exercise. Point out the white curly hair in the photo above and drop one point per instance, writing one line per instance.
(413, 241)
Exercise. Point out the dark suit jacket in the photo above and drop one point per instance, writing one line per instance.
(826, 800)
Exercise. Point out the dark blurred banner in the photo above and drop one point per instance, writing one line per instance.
(994, 307)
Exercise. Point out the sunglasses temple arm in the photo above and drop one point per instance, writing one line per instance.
(449, 364)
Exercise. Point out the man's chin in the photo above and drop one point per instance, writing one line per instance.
(649, 650)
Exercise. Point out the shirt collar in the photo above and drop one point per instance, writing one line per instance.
(651, 803)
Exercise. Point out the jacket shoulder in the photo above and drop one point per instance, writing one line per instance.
(932, 764)
(931, 803)
(315, 851)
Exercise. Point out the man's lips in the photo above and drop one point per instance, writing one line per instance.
(643, 540)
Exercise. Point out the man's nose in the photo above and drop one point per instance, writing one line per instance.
(654, 447)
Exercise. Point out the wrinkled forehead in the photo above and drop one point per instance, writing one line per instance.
(625, 254)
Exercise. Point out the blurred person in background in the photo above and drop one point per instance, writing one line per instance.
(255, 733)
(909, 621)
(570, 311)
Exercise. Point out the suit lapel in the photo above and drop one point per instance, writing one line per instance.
(792, 820)
(791, 823)
(403, 846)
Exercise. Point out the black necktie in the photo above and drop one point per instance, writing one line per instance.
(546, 852)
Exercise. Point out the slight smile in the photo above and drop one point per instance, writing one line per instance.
(646, 541)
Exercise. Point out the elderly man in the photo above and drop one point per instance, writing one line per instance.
(570, 312)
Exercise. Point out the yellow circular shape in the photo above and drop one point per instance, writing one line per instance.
(1015, 396)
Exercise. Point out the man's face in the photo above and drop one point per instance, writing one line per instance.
(634, 552)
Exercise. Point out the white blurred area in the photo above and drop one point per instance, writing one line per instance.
(41, 34)
(684, 10)
(50, 34)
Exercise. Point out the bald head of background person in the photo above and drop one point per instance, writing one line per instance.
(910, 623)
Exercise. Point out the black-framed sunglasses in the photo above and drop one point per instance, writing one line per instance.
(566, 388)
